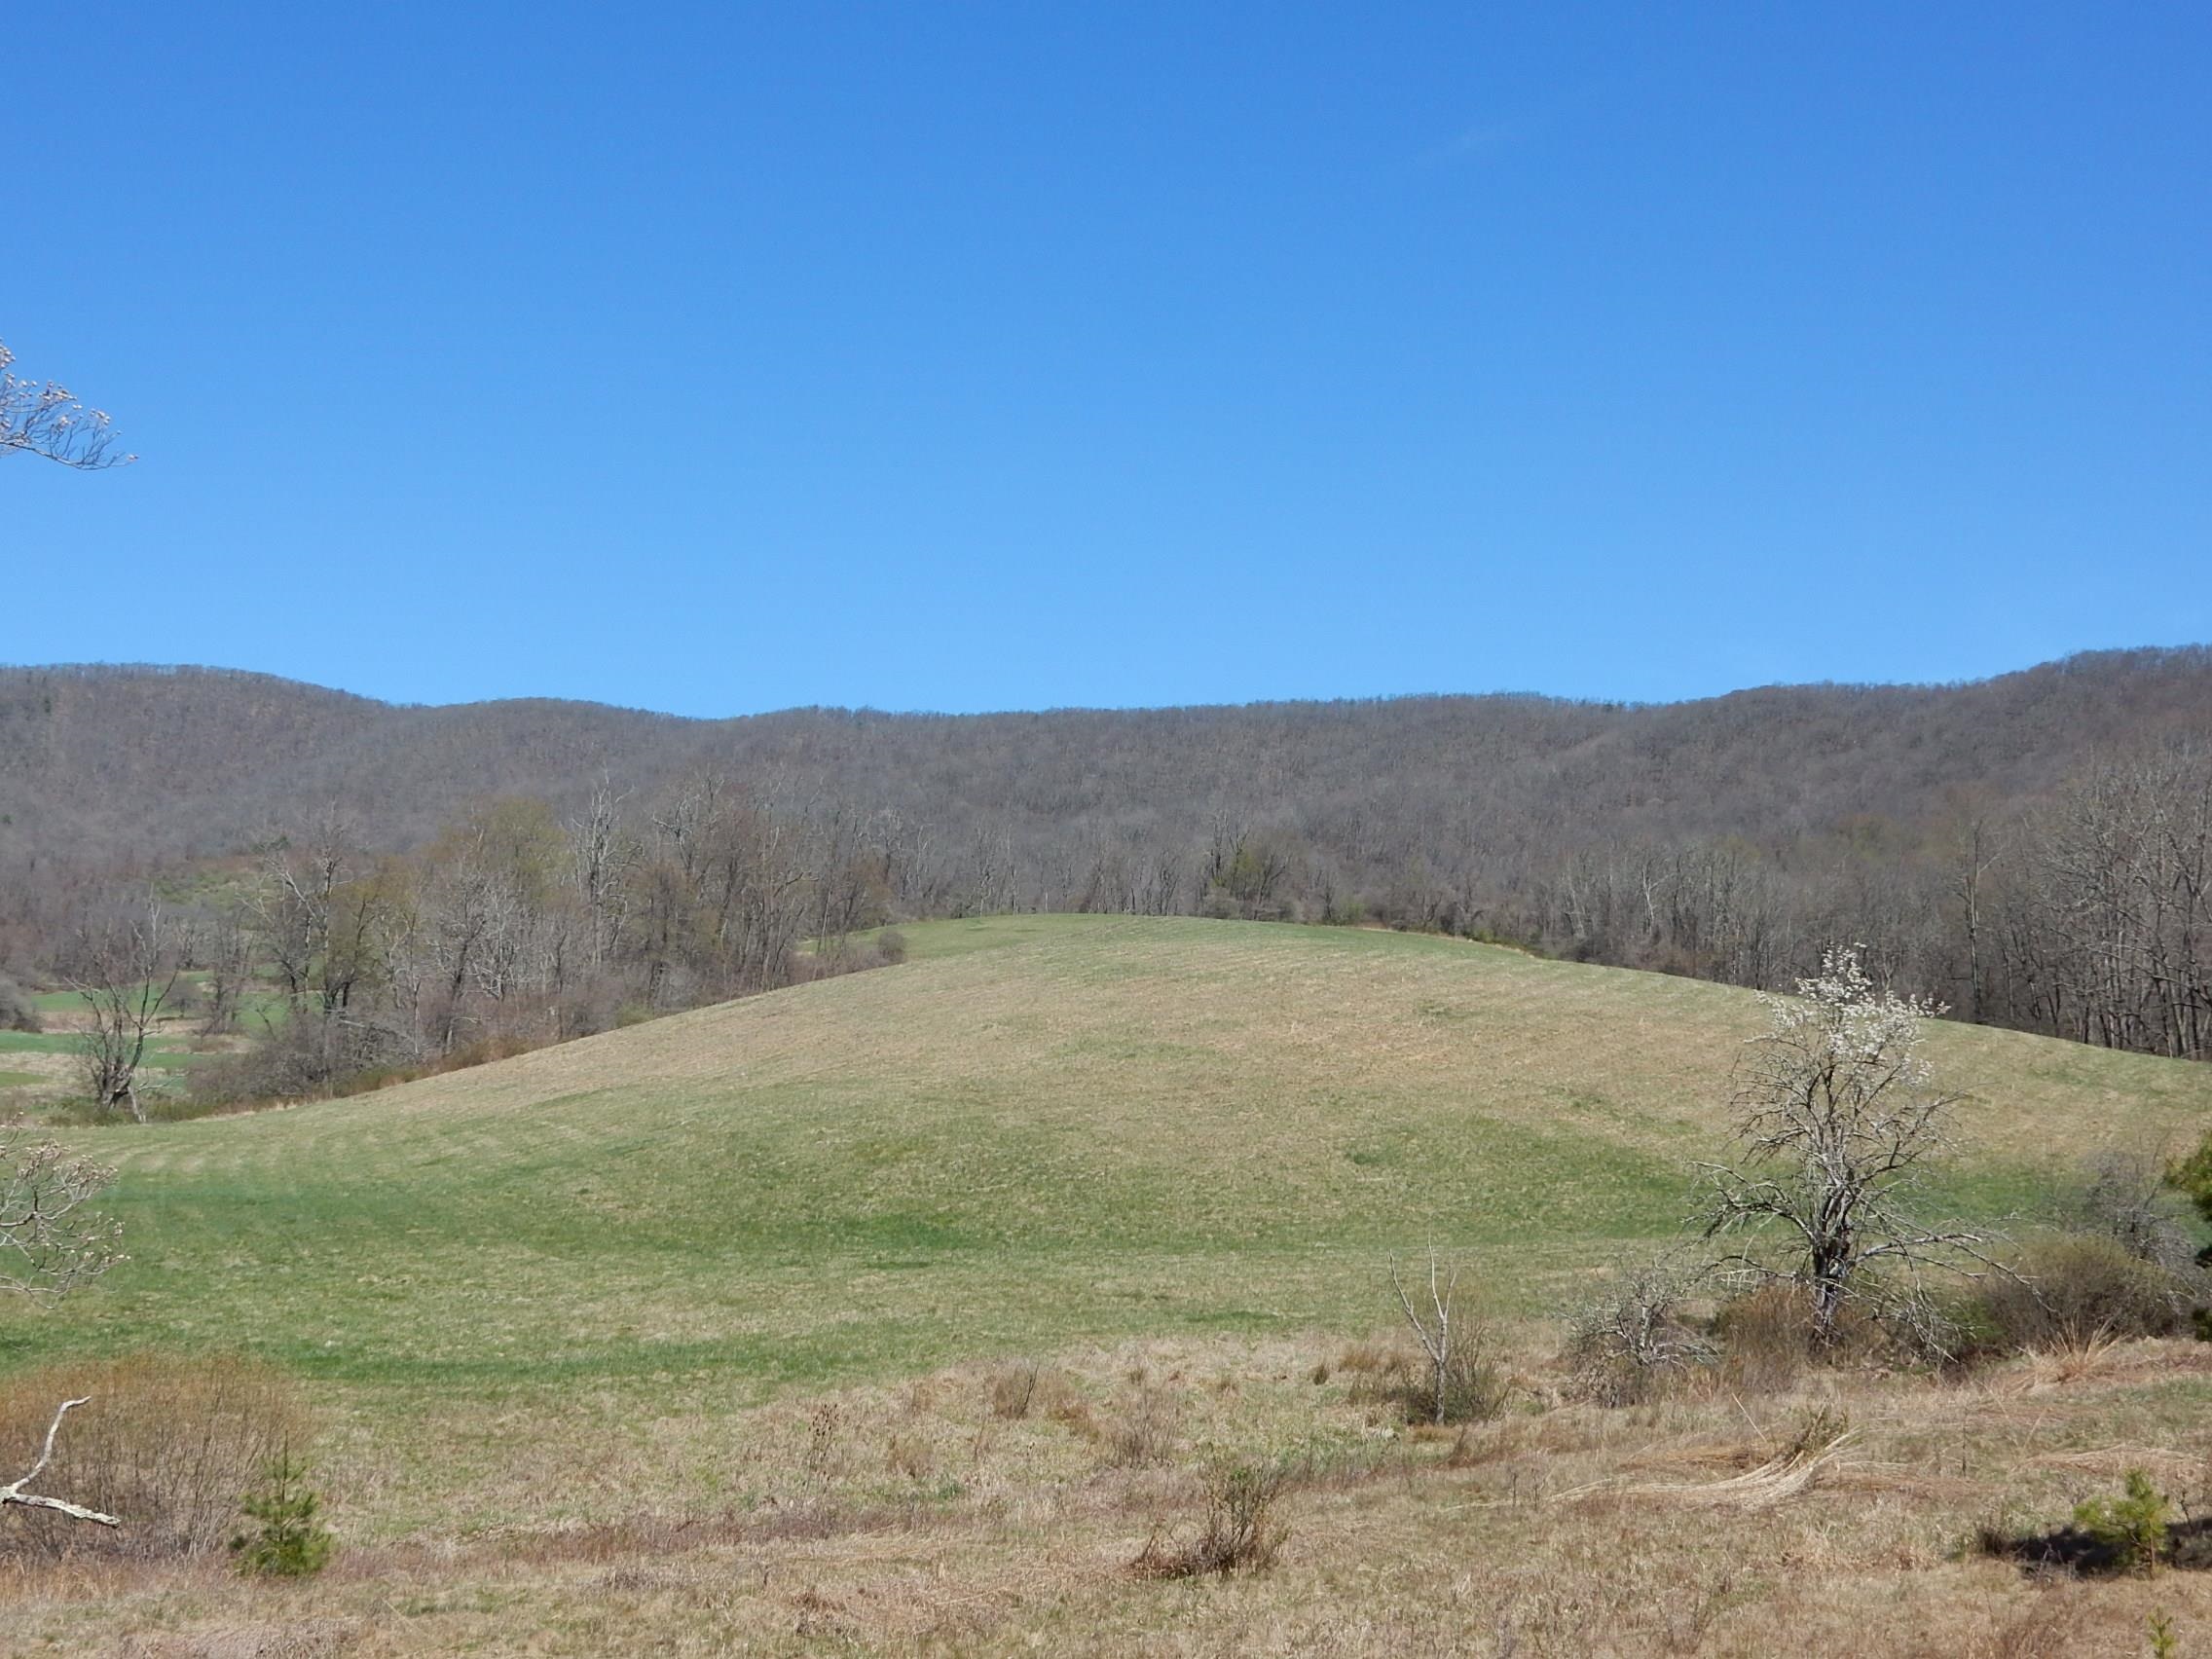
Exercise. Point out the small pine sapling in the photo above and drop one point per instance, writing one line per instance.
(2133, 1526)
(291, 1541)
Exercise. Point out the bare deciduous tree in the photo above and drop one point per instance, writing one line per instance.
(41, 417)
(1837, 1113)
(1449, 1337)
(125, 970)
(226, 951)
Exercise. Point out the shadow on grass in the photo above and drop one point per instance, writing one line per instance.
(2072, 1551)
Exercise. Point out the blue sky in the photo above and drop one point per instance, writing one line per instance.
(722, 359)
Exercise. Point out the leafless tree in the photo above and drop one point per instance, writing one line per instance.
(601, 857)
(44, 418)
(227, 952)
(2118, 933)
(1837, 1113)
(1450, 1337)
(125, 970)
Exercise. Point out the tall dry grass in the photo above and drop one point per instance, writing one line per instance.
(168, 1444)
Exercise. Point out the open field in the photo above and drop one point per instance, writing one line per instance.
(163, 1054)
(734, 1284)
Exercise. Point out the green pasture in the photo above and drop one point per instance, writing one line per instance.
(1037, 1132)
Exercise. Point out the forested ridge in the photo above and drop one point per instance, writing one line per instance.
(2034, 849)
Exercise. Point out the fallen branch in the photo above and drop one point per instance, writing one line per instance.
(13, 1492)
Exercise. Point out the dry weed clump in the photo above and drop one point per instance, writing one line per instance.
(1814, 1448)
(1026, 1386)
(1771, 1337)
(908, 1456)
(168, 1444)
(2072, 1293)
(1142, 1432)
(1240, 1533)
(823, 1458)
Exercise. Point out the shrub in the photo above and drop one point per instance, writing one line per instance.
(1769, 1337)
(1142, 1432)
(1474, 1388)
(891, 948)
(18, 1011)
(2133, 1526)
(2191, 1177)
(166, 1443)
(291, 1541)
(302, 1058)
(1631, 1336)
(2070, 1291)
(2129, 1201)
(1240, 1533)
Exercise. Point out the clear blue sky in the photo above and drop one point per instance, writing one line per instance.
(718, 358)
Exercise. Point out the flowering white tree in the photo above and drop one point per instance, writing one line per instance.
(1836, 1112)
(42, 418)
(50, 1239)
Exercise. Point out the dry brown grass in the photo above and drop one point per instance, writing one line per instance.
(168, 1444)
(933, 1525)
(749, 1437)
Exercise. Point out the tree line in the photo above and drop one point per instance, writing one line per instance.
(513, 927)
(2087, 915)
(2030, 851)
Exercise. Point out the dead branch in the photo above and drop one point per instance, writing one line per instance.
(13, 1492)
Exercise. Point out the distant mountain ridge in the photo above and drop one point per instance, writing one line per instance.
(155, 763)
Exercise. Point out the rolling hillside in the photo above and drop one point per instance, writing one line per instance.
(1037, 1133)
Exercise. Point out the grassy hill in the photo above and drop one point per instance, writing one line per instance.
(1039, 1131)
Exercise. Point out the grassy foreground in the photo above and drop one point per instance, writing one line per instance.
(624, 1278)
